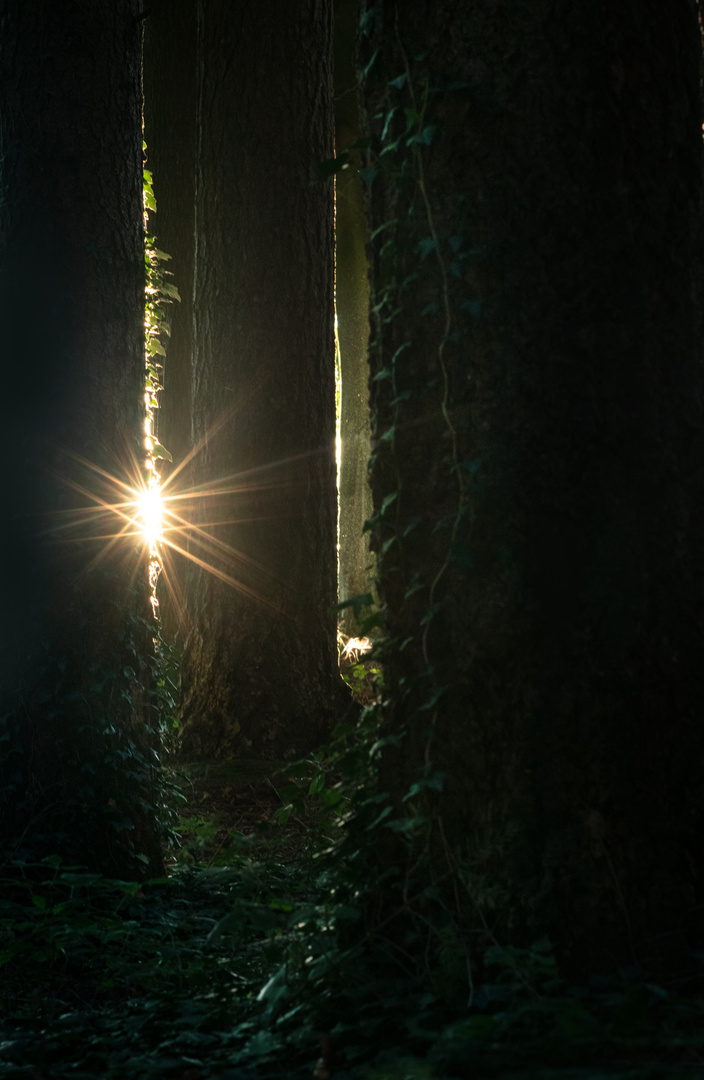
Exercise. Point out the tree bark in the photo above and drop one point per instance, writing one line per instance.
(260, 673)
(537, 478)
(76, 772)
(356, 570)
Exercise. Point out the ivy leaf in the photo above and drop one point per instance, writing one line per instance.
(159, 451)
(317, 784)
(391, 147)
(388, 740)
(401, 348)
(381, 228)
(425, 137)
(379, 818)
(330, 797)
(400, 82)
(426, 245)
(435, 780)
(408, 824)
(170, 290)
(387, 122)
(387, 502)
(370, 65)
(275, 988)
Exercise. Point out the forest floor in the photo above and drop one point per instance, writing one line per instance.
(236, 967)
(226, 801)
(109, 979)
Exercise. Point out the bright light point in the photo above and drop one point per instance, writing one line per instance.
(150, 508)
(357, 645)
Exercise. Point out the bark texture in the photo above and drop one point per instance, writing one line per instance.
(74, 629)
(261, 670)
(356, 570)
(537, 417)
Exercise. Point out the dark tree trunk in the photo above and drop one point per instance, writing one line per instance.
(260, 673)
(537, 414)
(75, 632)
(352, 304)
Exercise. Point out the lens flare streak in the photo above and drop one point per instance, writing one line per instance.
(172, 521)
(150, 507)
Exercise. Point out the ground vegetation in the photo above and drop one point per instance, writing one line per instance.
(493, 868)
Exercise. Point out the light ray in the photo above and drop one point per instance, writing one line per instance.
(223, 576)
(150, 508)
(137, 509)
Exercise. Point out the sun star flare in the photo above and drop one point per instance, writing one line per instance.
(150, 510)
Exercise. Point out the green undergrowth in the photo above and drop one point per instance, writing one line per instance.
(270, 966)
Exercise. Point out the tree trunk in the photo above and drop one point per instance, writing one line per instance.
(77, 771)
(352, 306)
(260, 672)
(537, 477)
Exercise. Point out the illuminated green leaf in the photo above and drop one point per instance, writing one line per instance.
(317, 784)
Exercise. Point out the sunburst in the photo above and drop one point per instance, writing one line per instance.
(137, 512)
(150, 512)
